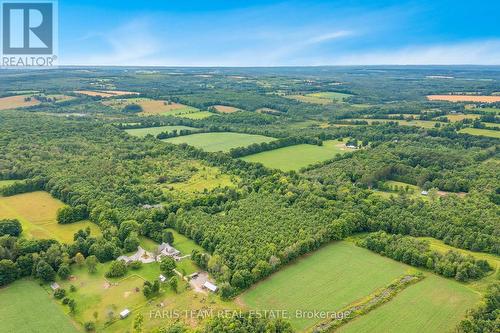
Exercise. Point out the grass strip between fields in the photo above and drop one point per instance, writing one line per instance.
(367, 304)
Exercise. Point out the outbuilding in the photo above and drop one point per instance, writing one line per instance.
(124, 314)
(210, 286)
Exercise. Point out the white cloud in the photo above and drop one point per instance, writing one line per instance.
(484, 52)
(129, 44)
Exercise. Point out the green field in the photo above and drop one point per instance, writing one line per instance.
(482, 132)
(25, 307)
(223, 141)
(298, 156)
(326, 280)
(37, 213)
(195, 115)
(322, 98)
(418, 123)
(142, 132)
(433, 305)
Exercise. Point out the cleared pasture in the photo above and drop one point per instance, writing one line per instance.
(25, 307)
(418, 123)
(298, 156)
(154, 131)
(37, 213)
(205, 178)
(459, 117)
(226, 109)
(220, 141)
(326, 280)
(464, 98)
(481, 132)
(105, 93)
(433, 305)
(322, 98)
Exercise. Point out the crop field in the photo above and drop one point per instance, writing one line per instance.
(37, 213)
(4, 183)
(481, 132)
(459, 117)
(226, 109)
(464, 98)
(154, 131)
(320, 97)
(298, 156)
(326, 280)
(105, 93)
(433, 305)
(14, 102)
(25, 307)
(222, 141)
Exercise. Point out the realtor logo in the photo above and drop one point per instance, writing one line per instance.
(28, 33)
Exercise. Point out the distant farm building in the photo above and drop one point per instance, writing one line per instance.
(424, 193)
(54, 286)
(162, 278)
(141, 255)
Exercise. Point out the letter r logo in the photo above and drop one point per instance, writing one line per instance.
(27, 27)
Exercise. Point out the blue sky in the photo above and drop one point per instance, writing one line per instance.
(278, 33)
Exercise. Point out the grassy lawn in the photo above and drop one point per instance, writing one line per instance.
(298, 156)
(223, 141)
(326, 280)
(184, 244)
(25, 307)
(142, 132)
(481, 132)
(37, 213)
(433, 305)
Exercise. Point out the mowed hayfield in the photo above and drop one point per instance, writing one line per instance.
(19, 101)
(226, 109)
(326, 280)
(154, 131)
(25, 307)
(298, 156)
(105, 93)
(481, 132)
(459, 117)
(220, 141)
(206, 178)
(464, 98)
(37, 213)
(320, 97)
(433, 305)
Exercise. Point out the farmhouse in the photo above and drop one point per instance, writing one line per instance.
(210, 286)
(141, 255)
(166, 250)
(124, 314)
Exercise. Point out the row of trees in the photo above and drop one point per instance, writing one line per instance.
(418, 253)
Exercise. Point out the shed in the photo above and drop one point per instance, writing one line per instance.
(162, 278)
(54, 286)
(210, 286)
(124, 314)
(424, 192)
